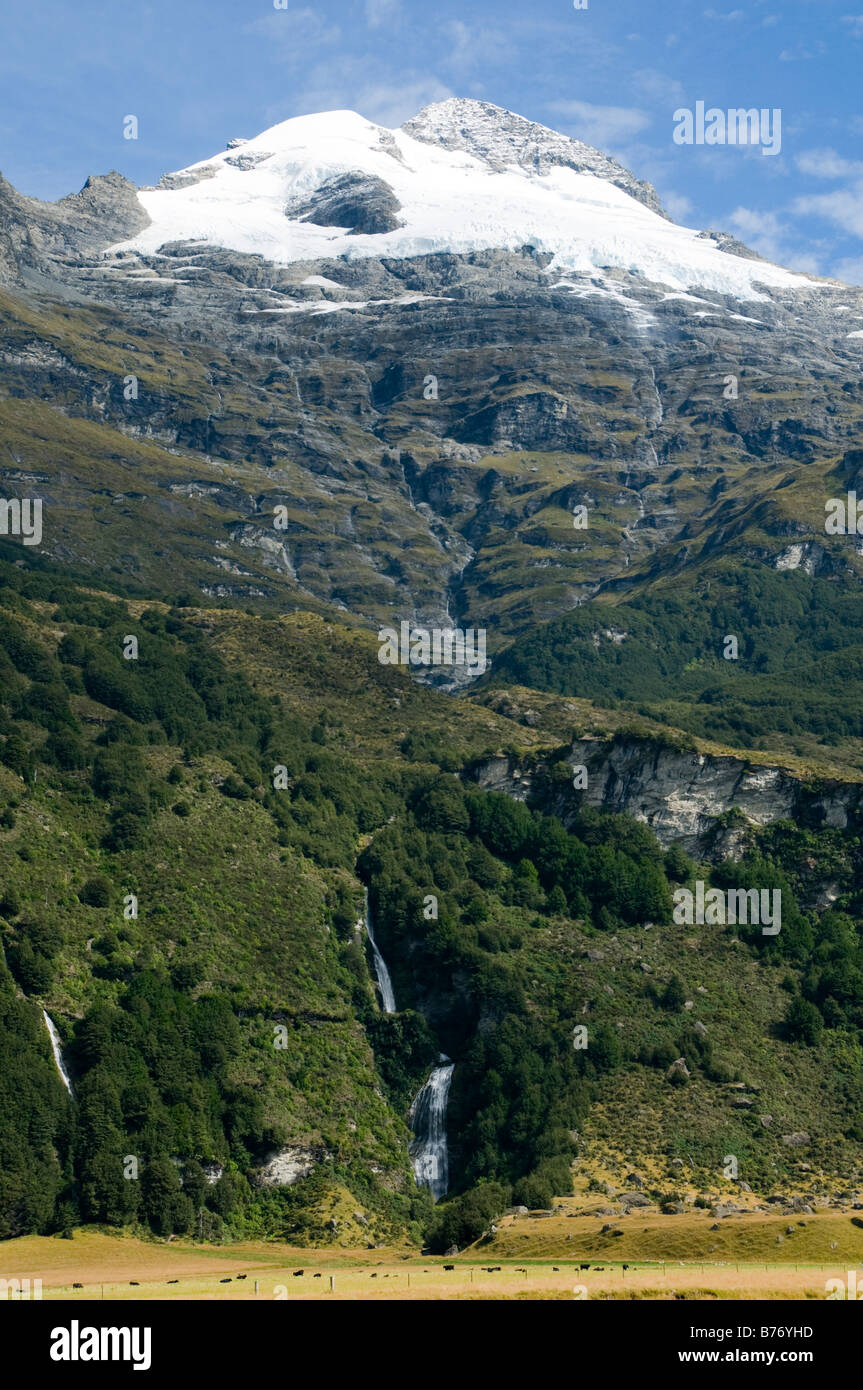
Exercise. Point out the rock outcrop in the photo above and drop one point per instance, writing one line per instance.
(707, 804)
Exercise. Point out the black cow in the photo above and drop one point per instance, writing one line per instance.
(224, 1281)
(298, 1273)
(133, 1284)
(242, 1276)
(449, 1266)
(173, 1281)
(584, 1266)
(77, 1286)
(314, 1276)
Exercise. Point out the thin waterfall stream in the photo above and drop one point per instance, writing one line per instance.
(385, 984)
(57, 1051)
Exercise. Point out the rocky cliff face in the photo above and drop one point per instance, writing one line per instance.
(709, 805)
(40, 239)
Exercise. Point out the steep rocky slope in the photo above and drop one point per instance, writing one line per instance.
(431, 412)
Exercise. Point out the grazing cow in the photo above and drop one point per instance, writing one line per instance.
(584, 1266)
(298, 1273)
(173, 1281)
(449, 1266)
(224, 1281)
(555, 1269)
(626, 1266)
(373, 1276)
(242, 1276)
(133, 1284)
(77, 1286)
(314, 1276)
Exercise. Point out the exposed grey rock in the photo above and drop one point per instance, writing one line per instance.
(364, 204)
(731, 245)
(187, 178)
(33, 234)
(288, 1165)
(680, 794)
(503, 138)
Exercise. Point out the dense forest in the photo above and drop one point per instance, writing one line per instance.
(666, 654)
(183, 860)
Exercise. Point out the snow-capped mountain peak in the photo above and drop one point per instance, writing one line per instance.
(461, 177)
(503, 139)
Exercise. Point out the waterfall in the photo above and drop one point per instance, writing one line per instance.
(428, 1148)
(385, 984)
(58, 1051)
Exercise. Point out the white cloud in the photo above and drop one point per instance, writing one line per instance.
(843, 207)
(801, 54)
(652, 85)
(475, 46)
(351, 88)
(826, 164)
(392, 106)
(730, 16)
(850, 270)
(382, 12)
(603, 126)
(677, 205)
(855, 24)
(764, 233)
(760, 230)
(294, 35)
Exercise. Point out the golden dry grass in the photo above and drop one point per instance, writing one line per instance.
(106, 1265)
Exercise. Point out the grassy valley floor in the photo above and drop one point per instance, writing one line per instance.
(538, 1258)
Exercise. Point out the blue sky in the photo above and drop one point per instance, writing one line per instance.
(197, 72)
